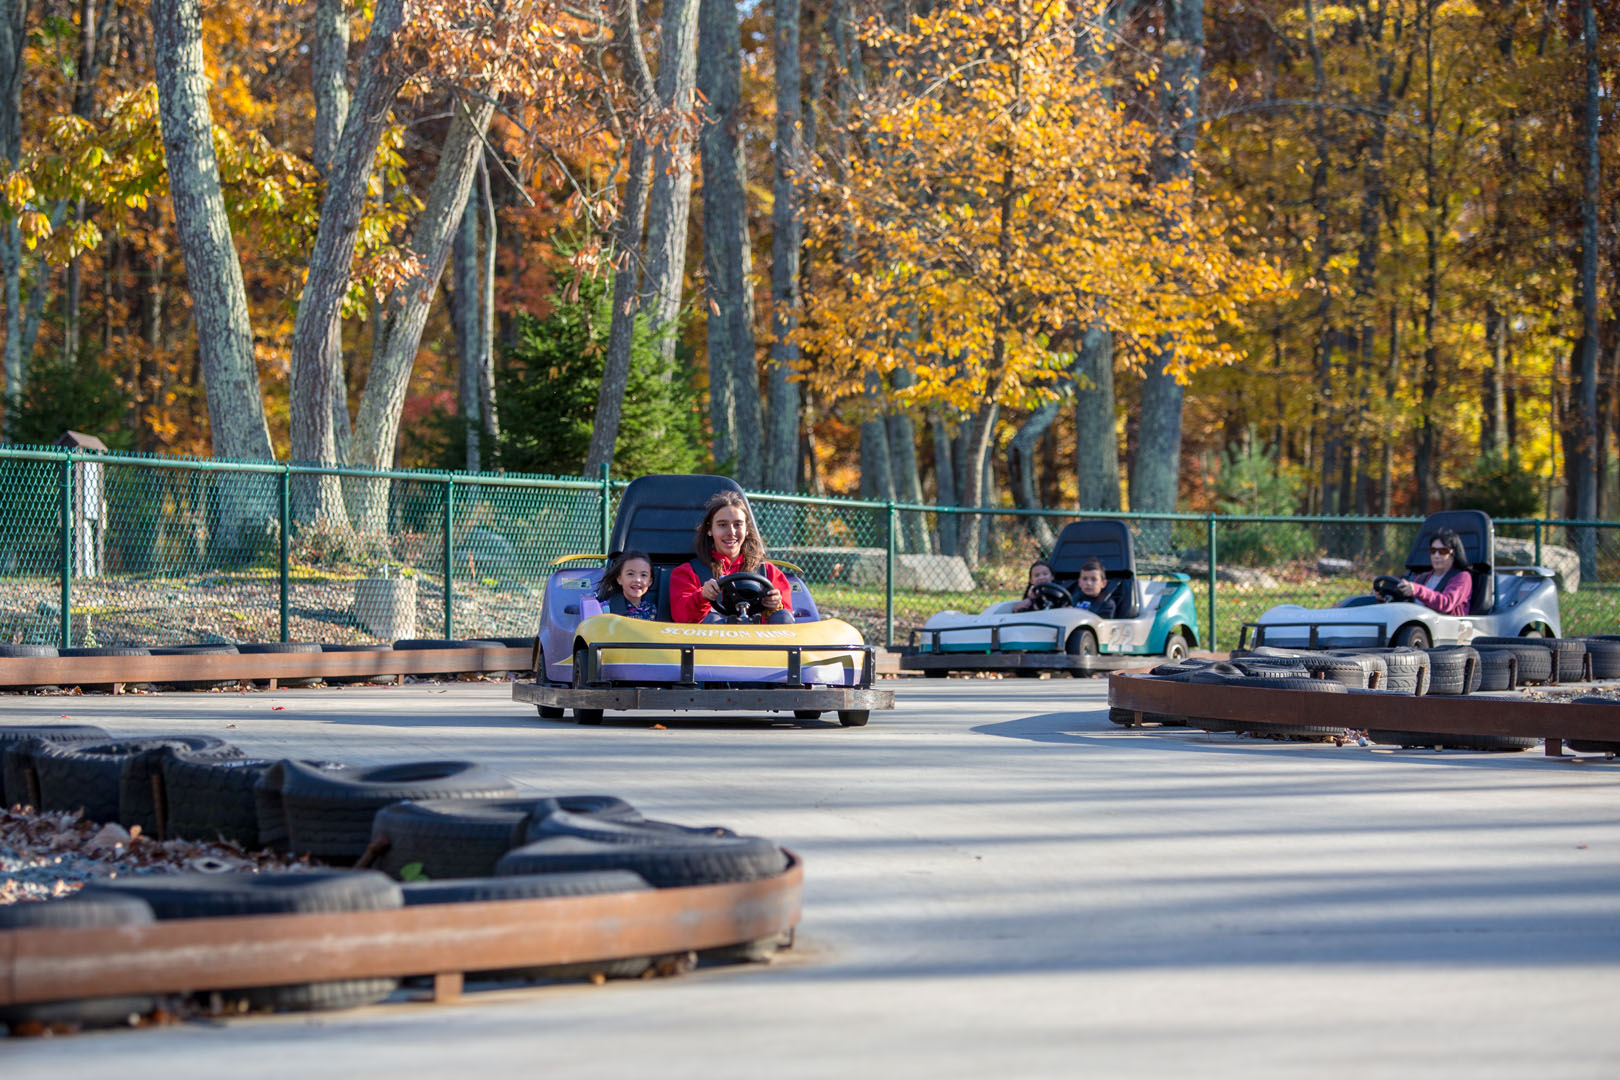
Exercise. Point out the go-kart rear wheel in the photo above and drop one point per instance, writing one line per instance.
(807, 714)
(935, 673)
(854, 717)
(1413, 635)
(588, 716)
(1176, 648)
(551, 712)
(1083, 642)
(581, 660)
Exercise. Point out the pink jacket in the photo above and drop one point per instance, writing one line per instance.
(1451, 600)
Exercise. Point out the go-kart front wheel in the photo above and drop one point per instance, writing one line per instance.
(551, 712)
(582, 658)
(854, 717)
(1413, 634)
(1175, 647)
(807, 714)
(1083, 642)
(587, 716)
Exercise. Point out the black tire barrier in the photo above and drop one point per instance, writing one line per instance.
(1452, 669)
(1605, 654)
(1536, 660)
(213, 799)
(684, 862)
(78, 912)
(16, 753)
(515, 642)
(1406, 670)
(538, 887)
(603, 806)
(608, 831)
(200, 896)
(267, 800)
(137, 801)
(1572, 662)
(350, 680)
(1596, 746)
(449, 838)
(279, 647)
(1498, 668)
(198, 650)
(441, 643)
(329, 814)
(1422, 739)
(89, 777)
(110, 650)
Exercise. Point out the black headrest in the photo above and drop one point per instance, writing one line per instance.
(660, 514)
(1473, 528)
(1109, 542)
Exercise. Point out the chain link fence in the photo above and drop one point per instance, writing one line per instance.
(112, 549)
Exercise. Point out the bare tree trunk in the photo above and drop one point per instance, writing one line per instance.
(213, 272)
(671, 197)
(1584, 466)
(1021, 468)
(975, 486)
(787, 236)
(945, 488)
(467, 317)
(13, 37)
(728, 259)
(318, 381)
(377, 426)
(627, 233)
(1096, 442)
(487, 410)
(903, 469)
(1155, 478)
(329, 71)
(877, 477)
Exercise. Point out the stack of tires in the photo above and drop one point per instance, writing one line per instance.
(1276, 669)
(450, 831)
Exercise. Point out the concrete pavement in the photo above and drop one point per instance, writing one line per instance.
(998, 882)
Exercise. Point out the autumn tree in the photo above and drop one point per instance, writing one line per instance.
(1001, 203)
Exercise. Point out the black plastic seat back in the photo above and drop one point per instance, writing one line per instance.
(1478, 537)
(1109, 542)
(660, 515)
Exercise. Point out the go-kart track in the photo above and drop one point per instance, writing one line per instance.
(998, 881)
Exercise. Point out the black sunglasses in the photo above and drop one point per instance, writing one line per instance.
(1439, 551)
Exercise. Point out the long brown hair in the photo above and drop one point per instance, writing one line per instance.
(753, 548)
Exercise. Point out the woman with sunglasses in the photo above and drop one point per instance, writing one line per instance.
(1447, 587)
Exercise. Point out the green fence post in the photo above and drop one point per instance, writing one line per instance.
(1211, 645)
(66, 622)
(1538, 541)
(607, 497)
(888, 581)
(286, 541)
(449, 555)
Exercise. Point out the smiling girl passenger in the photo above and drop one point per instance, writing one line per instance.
(625, 586)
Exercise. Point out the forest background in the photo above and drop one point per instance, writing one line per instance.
(1268, 256)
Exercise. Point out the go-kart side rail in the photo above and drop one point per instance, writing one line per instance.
(1380, 632)
(688, 650)
(995, 633)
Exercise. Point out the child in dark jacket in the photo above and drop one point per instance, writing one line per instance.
(626, 586)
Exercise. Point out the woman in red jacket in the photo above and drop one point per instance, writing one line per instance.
(727, 542)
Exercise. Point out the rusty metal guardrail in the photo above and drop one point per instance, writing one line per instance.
(445, 941)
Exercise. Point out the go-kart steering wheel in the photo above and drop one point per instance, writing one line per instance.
(741, 594)
(1049, 594)
(1388, 588)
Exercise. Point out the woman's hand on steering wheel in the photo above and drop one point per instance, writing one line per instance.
(743, 593)
(1049, 594)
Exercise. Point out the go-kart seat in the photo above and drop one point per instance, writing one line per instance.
(1478, 537)
(1109, 542)
(660, 515)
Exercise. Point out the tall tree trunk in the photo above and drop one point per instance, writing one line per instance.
(1096, 447)
(877, 476)
(329, 74)
(945, 488)
(1157, 473)
(671, 198)
(213, 271)
(467, 317)
(1021, 468)
(787, 236)
(728, 261)
(487, 410)
(627, 233)
(13, 38)
(903, 468)
(377, 425)
(319, 385)
(1586, 414)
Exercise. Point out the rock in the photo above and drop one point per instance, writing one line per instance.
(1334, 567)
(1247, 577)
(485, 553)
(932, 573)
(109, 838)
(852, 566)
(1562, 561)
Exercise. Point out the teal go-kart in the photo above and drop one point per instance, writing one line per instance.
(1152, 618)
